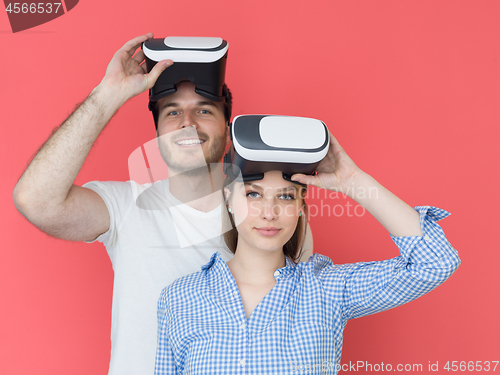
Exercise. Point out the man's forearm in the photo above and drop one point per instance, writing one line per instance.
(47, 181)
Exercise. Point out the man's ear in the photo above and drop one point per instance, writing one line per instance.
(228, 137)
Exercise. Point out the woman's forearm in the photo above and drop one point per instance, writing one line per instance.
(399, 218)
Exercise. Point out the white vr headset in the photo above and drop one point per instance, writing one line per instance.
(201, 60)
(263, 143)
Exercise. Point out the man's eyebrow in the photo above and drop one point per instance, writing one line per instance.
(212, 104)
(169, 104)
(176, 105)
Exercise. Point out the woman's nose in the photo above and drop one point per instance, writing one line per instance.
(269, 210)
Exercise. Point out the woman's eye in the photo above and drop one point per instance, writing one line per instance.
(253, 194)
(287, 197)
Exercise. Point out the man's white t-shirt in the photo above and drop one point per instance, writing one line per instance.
(153, 239)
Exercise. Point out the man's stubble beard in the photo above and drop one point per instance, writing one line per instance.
(198, 165)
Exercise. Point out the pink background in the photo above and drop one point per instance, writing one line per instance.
(409, 88)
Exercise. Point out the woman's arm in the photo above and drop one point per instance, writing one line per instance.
(369, 287)
(427, 258)
(337, 172)
(165, 363)
(399, 218)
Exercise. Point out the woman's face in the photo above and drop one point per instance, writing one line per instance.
(266, 211)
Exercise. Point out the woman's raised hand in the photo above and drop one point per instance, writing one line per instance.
(336, 172)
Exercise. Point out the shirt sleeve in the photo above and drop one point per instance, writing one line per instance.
(118, 198)
(425, 262)
(165, 363)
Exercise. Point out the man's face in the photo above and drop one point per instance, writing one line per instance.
(192, 129)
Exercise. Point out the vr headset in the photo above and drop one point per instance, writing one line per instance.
(262, 143)
(201, 60)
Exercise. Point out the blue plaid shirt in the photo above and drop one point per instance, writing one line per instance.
(298, 326)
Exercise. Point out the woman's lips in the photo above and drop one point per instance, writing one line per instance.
(268, 231)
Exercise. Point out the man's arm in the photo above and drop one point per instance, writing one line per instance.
(45, 193)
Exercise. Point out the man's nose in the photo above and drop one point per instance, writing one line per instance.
(188, 119)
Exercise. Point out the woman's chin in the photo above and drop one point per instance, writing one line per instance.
(268, 245)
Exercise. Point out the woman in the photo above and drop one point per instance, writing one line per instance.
(261, 313)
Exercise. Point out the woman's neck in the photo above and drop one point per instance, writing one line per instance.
(254, 266)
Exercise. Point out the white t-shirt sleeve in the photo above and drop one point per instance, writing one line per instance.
(118, 198)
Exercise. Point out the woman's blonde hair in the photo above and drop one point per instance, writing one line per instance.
(292, 249)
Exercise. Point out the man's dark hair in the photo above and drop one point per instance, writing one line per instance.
(228, 106)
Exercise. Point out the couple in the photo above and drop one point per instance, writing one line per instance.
(258, 313)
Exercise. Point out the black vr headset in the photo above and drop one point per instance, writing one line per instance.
(263, 143)
(201, 60)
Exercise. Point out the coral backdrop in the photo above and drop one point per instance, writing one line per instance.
(409, 88)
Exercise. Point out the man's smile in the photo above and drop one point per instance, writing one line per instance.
(189, 142)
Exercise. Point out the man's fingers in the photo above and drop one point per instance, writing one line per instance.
(157, 70)
(144, 67)
(139, 56)
(131, 46)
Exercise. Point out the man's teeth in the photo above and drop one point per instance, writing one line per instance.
(189, 142)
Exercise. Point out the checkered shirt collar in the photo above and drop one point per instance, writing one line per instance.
(218, 272)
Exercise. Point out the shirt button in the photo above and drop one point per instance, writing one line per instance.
(277, 274)
(242, 362)
(427, 238)
(236, 294)
(243, 326)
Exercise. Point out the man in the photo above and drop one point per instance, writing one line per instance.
(149, 231)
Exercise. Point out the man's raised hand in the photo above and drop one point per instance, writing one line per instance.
(127, 74)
